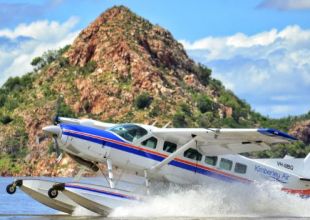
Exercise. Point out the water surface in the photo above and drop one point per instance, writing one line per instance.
(199, 203)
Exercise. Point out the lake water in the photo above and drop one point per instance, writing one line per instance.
(212, 202)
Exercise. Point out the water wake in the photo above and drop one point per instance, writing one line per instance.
(80, 211)
(221, 200)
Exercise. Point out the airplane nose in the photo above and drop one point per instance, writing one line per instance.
(52, 129)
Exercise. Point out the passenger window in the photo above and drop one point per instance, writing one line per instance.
(150, 142)
(169, 147)
(211, 160)
(240, 168)
(226, 164)
(193, 154)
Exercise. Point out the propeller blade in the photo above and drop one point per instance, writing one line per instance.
(59, 158)
(57, 107)
(56, 146)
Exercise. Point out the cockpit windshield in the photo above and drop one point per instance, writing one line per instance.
(129, 132)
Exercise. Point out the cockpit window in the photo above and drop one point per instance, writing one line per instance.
(129, 132)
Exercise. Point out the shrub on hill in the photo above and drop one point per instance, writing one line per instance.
(179, 120)
(204, 74)
(143, 100)
(89, 67)
(204, 104)
(5, 119)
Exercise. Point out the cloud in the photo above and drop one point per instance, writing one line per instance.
(260, 67)
(285, 4)
(21, 44)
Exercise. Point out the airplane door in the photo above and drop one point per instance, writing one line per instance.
(99, 150)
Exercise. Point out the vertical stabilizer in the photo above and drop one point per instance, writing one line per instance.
(306, 169)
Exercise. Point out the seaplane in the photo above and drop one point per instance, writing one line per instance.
(146, 155)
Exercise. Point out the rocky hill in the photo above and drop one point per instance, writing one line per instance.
(121, 68)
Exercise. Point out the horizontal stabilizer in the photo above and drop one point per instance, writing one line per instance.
(304, 179)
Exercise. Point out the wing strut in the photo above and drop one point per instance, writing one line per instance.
(181, 150)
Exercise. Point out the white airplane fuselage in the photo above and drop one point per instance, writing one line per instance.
(97, 145)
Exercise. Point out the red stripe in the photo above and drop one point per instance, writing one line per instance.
(100, 190)
(305, 192)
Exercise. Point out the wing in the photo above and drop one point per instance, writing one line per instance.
(225, 141)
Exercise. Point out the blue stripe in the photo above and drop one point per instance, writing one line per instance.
(106, 134)
(93, 131)
(275, 132)
(101, 192)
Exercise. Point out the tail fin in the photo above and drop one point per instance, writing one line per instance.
(307, 160)
(306, 169)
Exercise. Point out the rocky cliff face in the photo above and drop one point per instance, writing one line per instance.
(301, 130)
(134, 56)
(113, 63)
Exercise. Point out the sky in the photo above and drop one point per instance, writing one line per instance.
(259, 49)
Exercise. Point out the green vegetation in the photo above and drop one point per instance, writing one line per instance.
(5, 119)
(179, 120)
(66, 111)
(204, 74)
(143, 100)
(185, 108)
(89, 67)
(204, 104)
(9, 164)
(16, 144)
(17, 83)
(49, 57)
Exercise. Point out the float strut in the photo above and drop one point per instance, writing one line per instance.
(110, 171)
(78, 176)
(147, 183)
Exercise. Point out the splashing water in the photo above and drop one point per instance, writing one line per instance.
(221, 200)
(80, 211)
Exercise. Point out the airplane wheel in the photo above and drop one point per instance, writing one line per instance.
(52, 193)
(11, 189)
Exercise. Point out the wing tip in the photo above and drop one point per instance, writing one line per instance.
(275, 132)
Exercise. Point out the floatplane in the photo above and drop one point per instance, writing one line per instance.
(175, 155)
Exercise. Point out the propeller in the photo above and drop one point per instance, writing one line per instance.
(54, 130)
(55, 118)
(56, 146)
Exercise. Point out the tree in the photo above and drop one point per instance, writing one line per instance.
(204, 104)
(204, 74)
(3, 97)
(179, 120)
(143, 100)
(36, 61)
(185, 108)
(12, 83)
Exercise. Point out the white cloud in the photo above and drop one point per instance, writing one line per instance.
(285, 4)
(41, 36)
(257, 67)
